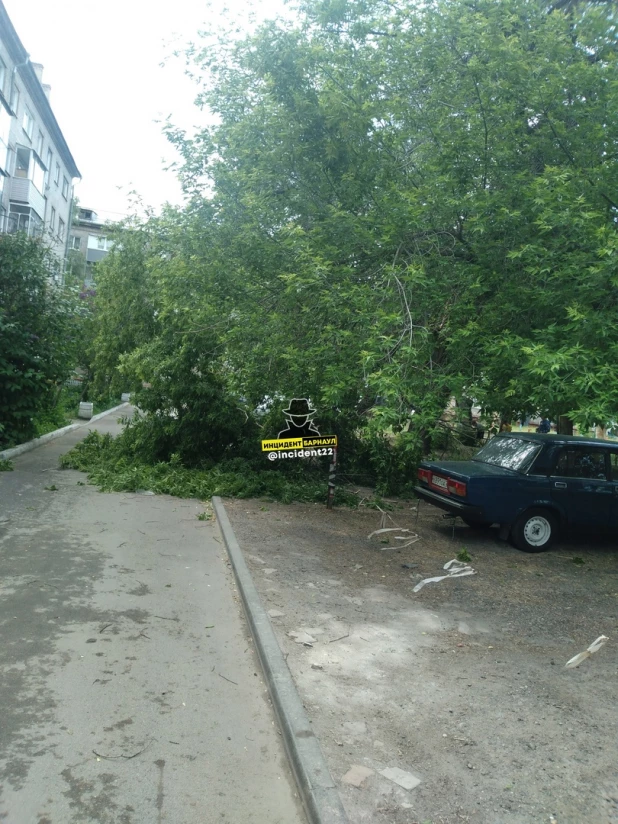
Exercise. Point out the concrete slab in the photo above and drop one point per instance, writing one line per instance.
(357, 775)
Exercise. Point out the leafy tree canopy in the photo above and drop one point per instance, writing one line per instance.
(394, 203)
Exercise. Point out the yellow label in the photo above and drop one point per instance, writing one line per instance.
(320, 440)
(282, 443)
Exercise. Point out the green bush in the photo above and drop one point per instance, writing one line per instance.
(39, 338)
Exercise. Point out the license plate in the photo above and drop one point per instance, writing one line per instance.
(436, 480)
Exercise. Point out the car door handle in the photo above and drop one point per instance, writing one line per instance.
(560, 485)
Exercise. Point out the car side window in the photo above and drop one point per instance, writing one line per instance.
(613, 459)
(582, 462)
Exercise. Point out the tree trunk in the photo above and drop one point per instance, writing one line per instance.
(565, 425)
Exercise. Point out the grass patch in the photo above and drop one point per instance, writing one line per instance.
(112, 470)
(6, 465)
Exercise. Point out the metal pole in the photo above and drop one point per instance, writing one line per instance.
(332, 471)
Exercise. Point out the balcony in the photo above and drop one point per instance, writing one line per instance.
(24, 191)
(13, 222)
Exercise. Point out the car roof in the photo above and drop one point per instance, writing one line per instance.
(545, 438)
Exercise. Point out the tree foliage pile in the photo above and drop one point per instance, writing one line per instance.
(112, 465)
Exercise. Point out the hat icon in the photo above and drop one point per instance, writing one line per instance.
(299, 407)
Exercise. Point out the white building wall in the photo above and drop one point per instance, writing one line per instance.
(27, 128)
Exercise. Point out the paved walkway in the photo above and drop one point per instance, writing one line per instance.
(129, 690)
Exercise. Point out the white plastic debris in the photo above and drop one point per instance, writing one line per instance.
(456, 569)
(405, 779)
(594, 647)
(302, 638)
(410, 537)
(409, 543)
(386, 529)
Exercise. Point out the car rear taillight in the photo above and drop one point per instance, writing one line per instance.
(424, 475)
(456, 488)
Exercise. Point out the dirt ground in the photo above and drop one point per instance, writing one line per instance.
(462, 684)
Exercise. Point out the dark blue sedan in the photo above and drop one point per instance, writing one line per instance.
(532, 485)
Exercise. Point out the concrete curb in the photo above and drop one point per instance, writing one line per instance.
(317, 788)
(57, 433)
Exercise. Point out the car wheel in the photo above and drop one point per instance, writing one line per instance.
(534, 530)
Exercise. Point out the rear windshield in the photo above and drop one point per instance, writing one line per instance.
(509, 453)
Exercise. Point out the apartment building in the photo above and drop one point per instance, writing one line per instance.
(37, 169)
(88, 244)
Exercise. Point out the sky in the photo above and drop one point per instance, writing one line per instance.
(103, 62)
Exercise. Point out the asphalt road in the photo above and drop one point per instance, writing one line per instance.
(129, 689)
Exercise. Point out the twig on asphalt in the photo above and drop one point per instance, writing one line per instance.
(142, 633)
(165, 618)
(228, 679)
(104, 627)
(332, 641)
(43, 583)
(128, 757)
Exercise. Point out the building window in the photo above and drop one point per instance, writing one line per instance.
(52, 219)
(57, 174)
(65, 188)
(99, 243)
(14, 99)
(61, 225)
(2, 75)
(25, 219)
(39, 144)
(76, 243)
(22, 161)
(50, 158)
(38, 174)
(28, 166)
(28, 122)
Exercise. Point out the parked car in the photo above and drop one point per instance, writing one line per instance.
(532, 485)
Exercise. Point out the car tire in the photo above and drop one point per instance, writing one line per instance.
(535, 530)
